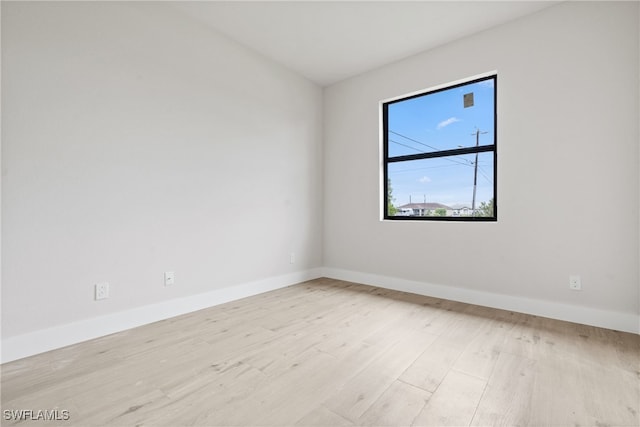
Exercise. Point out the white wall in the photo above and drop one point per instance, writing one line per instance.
(137, 141)
(567, 171)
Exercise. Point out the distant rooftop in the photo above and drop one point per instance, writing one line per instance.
(424, 206)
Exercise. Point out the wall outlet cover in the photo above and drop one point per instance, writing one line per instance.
(102, 291)
(574, 283)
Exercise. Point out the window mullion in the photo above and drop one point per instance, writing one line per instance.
(442, 153)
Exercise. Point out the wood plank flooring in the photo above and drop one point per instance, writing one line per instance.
(333, 353)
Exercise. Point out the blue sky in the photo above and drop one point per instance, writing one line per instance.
(439, 121)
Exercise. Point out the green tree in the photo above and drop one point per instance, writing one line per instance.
(441, 212)
(391, 209)
(485, 209)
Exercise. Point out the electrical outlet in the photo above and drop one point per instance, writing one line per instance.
(102, 291)
(292, 258)
(574, 283)
(169, 278)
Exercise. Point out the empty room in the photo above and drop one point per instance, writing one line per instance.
(320, 213)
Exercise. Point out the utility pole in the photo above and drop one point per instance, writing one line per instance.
(475, 172)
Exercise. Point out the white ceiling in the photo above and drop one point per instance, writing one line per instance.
(327, 41)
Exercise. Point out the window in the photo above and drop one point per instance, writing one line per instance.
(439, 153)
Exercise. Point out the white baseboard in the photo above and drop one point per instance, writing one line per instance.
(31, 343)
(626, 322)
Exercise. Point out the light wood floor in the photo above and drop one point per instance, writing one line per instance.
(332, 353)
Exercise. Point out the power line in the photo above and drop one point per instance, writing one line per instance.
(416, 141)
(464, 161)
(460, 162)
(404, 145)
(482, 172)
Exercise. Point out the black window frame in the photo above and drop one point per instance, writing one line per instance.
(441, 153)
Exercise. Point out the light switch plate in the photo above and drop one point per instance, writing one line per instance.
(169, 278)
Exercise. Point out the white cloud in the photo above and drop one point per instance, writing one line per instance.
(425, 179)
(447, 122)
